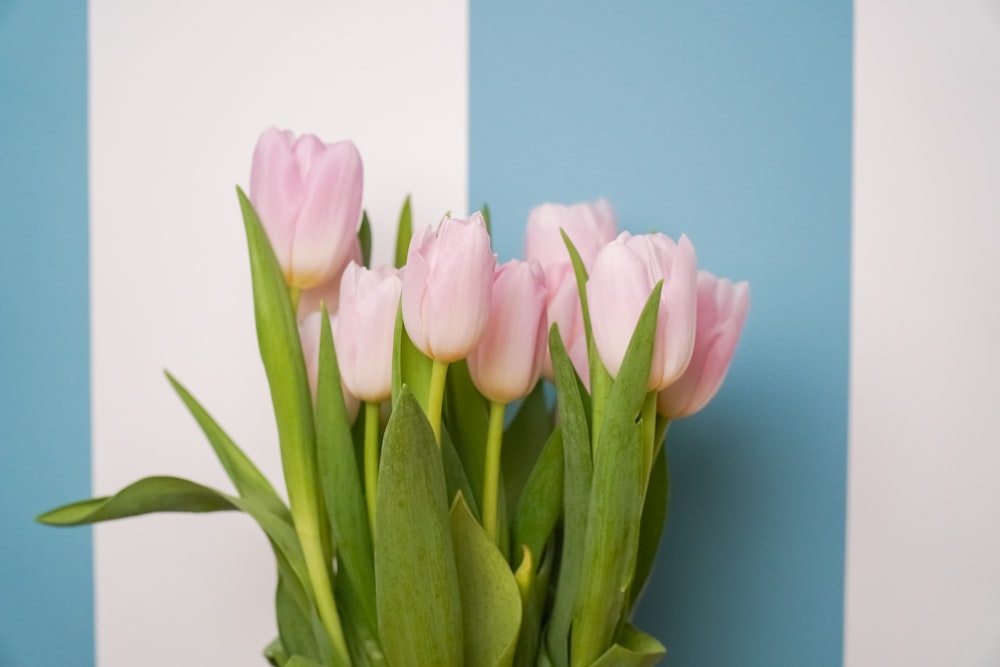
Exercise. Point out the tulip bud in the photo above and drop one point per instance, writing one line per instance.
(722, 310)
(506, 363)
(590, 226)
(309, 333)
(308, 197)
(329, 292)
(366, 325)
(624, 274)
(447, 286)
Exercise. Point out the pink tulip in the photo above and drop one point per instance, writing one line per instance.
(722, 310)
(366, 325)
(329, 292)
(624, 274)
(309, 332)
(308, 197)
(506, 363)
(563, 308)
(447, 286)
(590, 226)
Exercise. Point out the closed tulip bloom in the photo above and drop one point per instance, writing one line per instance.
(309, 332)
(308, 197)
(447, 287)
(366, 324)
(624, 274)
(722, 310)
(506, 363)
(590, 226)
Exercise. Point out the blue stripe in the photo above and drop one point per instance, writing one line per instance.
(46, 578)
(731, 122)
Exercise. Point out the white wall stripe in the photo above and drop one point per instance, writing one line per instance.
(179, 92)
(923, 581)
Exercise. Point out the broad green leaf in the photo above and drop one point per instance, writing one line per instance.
(341, 483)
(633, 649)
(404, 232)
(246, 477)
(281, 352)
(365, 239)
(299, 661)
(491, 602)
(148, 495)
(523, 441)
(654, 514)
(466, 415)
(578, 472)
(410, 366)
(293, 612)
(542, 501)
(419, 606)
(617, 493)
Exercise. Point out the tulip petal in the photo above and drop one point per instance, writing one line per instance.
(276, 191)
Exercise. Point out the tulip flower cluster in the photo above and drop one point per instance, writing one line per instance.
(442, 511)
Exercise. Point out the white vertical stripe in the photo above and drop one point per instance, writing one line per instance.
(179, 92)
(923, 561)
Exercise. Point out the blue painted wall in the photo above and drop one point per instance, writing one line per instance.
(46, 589)
(731, 122)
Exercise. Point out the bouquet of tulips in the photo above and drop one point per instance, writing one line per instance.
(473, 453)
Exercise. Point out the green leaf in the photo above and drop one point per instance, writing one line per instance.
(654, 514)
(485, 210)
(533, 605)
(299, 661)
(294, 613)
(633, 649)
(491, 602)
(576, 491)
(466, 416)
(246, 477)
(275, 653)
(542, 502)
(365, 239)
(148, 495)
(281, 352)
(419, 607)
(523, 441)
(403, 233)
(410, 366)
(617, 494)
(340, 481)
(454, 474)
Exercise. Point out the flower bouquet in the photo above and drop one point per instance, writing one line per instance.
(473, 454)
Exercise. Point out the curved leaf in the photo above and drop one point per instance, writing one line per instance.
(416, 581)
(542, 501)
(491, 601)
(654, 514)
(403, 233)
(523, 441)
(634, 649)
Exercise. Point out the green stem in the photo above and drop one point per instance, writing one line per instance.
(312, 549)
(491, 479)
(371, 460)
(439, 373)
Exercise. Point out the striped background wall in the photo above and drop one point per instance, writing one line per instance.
(836, 504)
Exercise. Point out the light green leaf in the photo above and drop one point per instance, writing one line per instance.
(404, 232)
(485, 210)
(148, 495)
(491, 603)
(281, 352)
(654, 514)
(454, 474)
(617, 493)
(246, 477)
(542, 501)
(634, 649)
(419, 606)
(294, 613)
(523, 441)
(341, 483)
(299, 661)
(533, 605)
(365, 239)
(576, 491)
(275, 653)
(410, 366)
(466, 416)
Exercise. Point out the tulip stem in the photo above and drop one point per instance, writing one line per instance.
(322, 586)
(371, 460)
(439, 373)
(491, 480)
